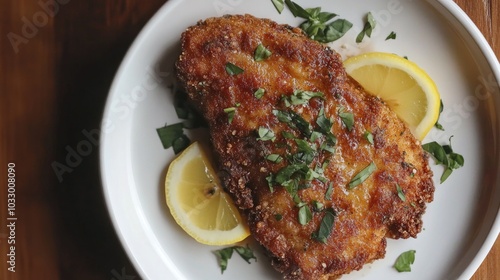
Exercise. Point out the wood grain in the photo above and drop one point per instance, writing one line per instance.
(54, 80)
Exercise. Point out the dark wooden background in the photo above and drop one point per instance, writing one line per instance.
(53, 85)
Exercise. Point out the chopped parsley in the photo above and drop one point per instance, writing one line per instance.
(279, 5)
(367, 29)
(391, 36)
(301, 97)
(305, 215)
(266, 134)
(233, 70)
(274, 158)
(261, 53)
(404, 261)
(362, 176)
(401, 194)
(347, 118)
(444, 155)
(231, 111)
(369, 137)
(225, 254)
(326, 226)
(329, 191)
(317, 24)
(259, 93)
(437, 124)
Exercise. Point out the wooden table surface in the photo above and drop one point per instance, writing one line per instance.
(54, 78)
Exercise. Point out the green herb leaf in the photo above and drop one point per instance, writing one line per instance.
(301, 97)
(278, 217)
(368, 136)
(401, 194)
(270, 182)
(261, 53)
(225, 254)
(347, 119)
(287, 135)
(292, 187)
(259, 93)
(437, 151)
(316, 24)
(169, 133)
(437, 124)
(404, 261)
(279, 5)
(444, 155)
(391, 36)
(185, 111)
(286, 173)
(245, 253)
(274, 158)
(173, 136)
(326, 226)
(180, 143)
(230, 111)
(334, 31)
(367, 29)
(329, 191)
(297, 10)
(362, 175)
(266, 134)
(305, 215)
(233, 70)
(318, 206)
(325, 124)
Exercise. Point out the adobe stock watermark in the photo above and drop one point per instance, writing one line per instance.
(122, 108)
(223, 7)
(121, 275)
(38, 20)
(454, 116)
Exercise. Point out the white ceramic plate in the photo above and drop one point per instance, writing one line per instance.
(461, 224)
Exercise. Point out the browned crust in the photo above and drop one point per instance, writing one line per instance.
(367, 214)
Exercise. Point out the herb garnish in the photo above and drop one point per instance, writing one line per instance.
(445, 156)
(279, 5)
(301, 97)
(230, 111)
(316, 24)
(266, 134)
(261, 53)
(362, 175)
(326, 226)
(367, 29)
(169, 133)
(259, 93)
(347, 118)
(225, 254)
(329, 191)
(173, 135)
(437, 124)
(274, 158)
(305, 215)
(368, 136)
(401, 194)
(404, 261)
(233, 70)
(391, 36)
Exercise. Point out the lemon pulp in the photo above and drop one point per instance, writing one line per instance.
(198, 202)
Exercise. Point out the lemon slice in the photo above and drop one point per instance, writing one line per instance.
(198, 203)
(403, 85)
